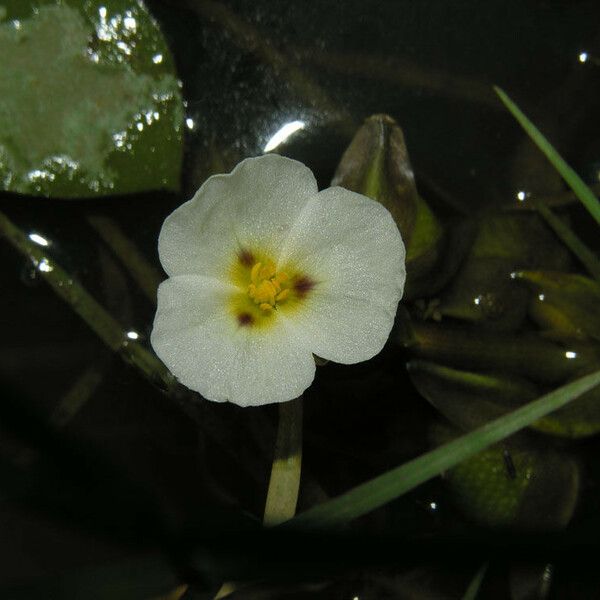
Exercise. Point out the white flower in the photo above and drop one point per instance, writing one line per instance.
(265, 271)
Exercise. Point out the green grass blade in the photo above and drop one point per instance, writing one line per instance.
(583, 192)
(385, 488)
(475, 585)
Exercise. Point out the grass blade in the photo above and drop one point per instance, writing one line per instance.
(583, 192)
(385, 488)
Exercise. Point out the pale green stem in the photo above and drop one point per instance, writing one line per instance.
(284, 484)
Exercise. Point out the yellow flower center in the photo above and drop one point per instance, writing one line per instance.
(267, 287)
(262, 292)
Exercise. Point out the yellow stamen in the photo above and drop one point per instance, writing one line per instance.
(254, 272)
(282, 295)
(267, 287)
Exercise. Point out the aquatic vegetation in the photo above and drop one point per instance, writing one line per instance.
(488, 381)
(265, 271)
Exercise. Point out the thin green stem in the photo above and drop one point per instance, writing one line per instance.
(284, 483)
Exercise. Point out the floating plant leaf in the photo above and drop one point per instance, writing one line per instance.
(483, 290)
(90, 101)
(447, 256)
(580, 419)
(566, 302)
(484, 293)
(467, 399)
(521, 238)
(547, 360)
(515, 484)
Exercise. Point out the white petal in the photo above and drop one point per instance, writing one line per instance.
(351, 246)
(254, 206)
(202, 344)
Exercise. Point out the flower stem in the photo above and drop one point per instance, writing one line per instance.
(284, 483)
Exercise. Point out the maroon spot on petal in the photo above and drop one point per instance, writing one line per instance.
(245, 319)
(246, 257)
(303, 285)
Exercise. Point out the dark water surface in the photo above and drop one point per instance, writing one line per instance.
(135, 475)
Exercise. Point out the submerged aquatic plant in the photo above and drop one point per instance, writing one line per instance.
(265, 271)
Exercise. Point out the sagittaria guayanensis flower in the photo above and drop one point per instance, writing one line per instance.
(264, 272)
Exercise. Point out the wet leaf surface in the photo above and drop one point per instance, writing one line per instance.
(376, 164)
(90, 101)
(565, 302)
(469, 399)
(540, 358)
(515, 485)
(483, 291)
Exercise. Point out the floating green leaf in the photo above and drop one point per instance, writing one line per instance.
(90, 101)
(468, 399)
(515, 484)
(544, 359)
(483, 291)
(385, 488)
(565, 302)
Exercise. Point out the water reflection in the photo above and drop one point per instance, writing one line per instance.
(38, 239)
(283, 134)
